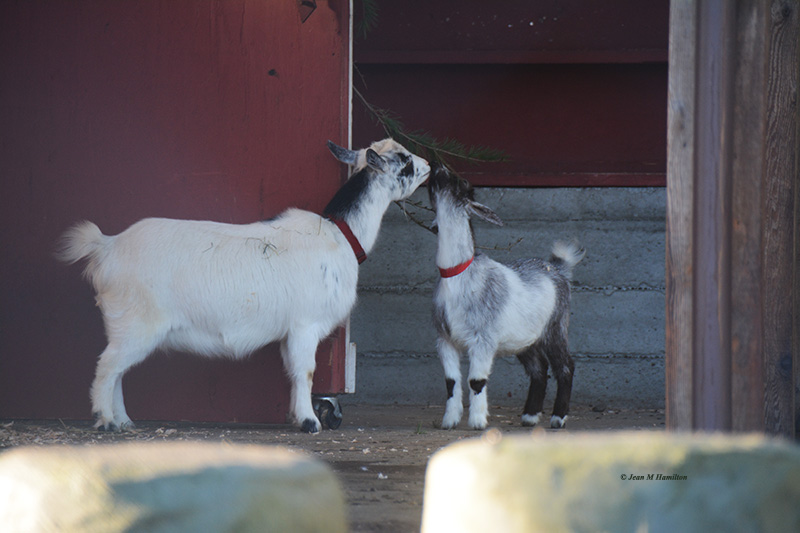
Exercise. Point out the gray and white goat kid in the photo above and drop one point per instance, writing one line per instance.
(227, 289)
(486, 309)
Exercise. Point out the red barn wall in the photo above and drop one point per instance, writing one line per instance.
(116, 111)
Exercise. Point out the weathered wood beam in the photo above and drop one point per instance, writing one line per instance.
(680, 216)
(780, 222)
(732, 230)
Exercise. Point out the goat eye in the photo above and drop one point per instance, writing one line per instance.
(408, 170)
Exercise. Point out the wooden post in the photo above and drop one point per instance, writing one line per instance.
(732, 181)
(680, 216)
(781, 222)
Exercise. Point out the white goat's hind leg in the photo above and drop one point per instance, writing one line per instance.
(107, 402)
(299, 352)
(451, 362)
(480, 366)
(103, 390)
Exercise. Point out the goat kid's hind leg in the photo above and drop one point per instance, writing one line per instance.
(535, 365)
(480, 366)
(451, 363)
(563, 368)
(299, 352)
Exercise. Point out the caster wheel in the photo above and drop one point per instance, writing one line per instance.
(329, 412)
(333, 420)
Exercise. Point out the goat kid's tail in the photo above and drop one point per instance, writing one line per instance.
(82, 241)
(565, 256)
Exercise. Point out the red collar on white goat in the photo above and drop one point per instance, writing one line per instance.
(361, 255)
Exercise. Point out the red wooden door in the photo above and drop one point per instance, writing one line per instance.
(116, 111)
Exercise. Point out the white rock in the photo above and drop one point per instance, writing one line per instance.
(167, 487)
(590, 482)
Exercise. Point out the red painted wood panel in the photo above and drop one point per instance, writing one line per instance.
(574, 91)
(561, 125)
(116, 111)
(517, 31)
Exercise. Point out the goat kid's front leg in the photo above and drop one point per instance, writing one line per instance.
(299, 360)
(451, 362)
(480, 366)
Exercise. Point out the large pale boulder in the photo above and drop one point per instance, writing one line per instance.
(615, 482)
(167, 487)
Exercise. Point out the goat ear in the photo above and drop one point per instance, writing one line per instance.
(375, 161)
(343, 154)
(481, 211)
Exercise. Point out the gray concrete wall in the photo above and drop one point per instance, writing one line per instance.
(617, 322)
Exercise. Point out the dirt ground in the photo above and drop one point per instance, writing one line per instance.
(379, 452)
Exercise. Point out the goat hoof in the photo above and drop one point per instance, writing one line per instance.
(310, 425)
(107, 426)
(127, 426)
(478, 422)
(558, 422)
(451, 419)
(530, 420)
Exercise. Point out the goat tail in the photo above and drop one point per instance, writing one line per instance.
(82, 241)
(565, 256)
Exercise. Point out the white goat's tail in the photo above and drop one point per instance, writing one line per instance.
(565, 256)
(82, 241)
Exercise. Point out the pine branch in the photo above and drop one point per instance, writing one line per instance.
(411, 216)
(419, 205)
(507, 248)
(454, 148)
(426, 145)
(369, 18)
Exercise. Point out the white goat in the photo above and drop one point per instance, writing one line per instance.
(485, 309)
(226, 289)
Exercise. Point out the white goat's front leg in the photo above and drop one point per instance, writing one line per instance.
(120, 414)
(299, 352)
(451, 362)
(480, 366)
